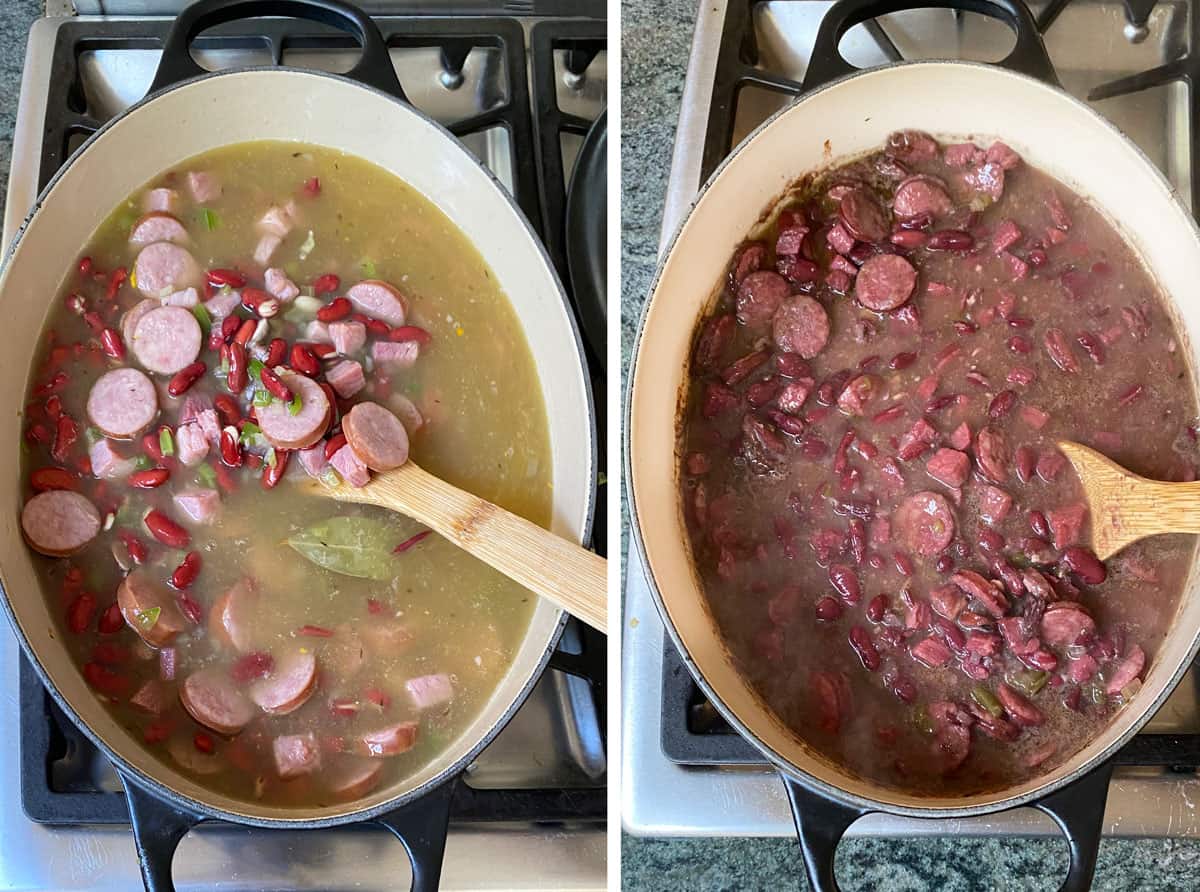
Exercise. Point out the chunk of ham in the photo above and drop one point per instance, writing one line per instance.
(276, 221)
(402, 354)
(351, 468)
(949, 466)
(265, 249)
(151, 697)
(198, 505)
(280, 285)
(1065, 622)
(1129, 669)
(163, 200)
(348, 336)
(317, 333)
(1066, 523)
(428, 691)
(107, 462)
(296, 754)
(191, 444)
(199, 410)
(186, 298)
(204, 186)
(313, 460)
(223, 303)
(346, 378)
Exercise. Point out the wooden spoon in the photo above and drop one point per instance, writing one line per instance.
(1125, 507)
(560, 571)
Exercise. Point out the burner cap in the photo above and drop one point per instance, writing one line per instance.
(586, 235)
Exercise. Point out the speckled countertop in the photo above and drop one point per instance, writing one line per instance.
(656, 40)
(16, 18)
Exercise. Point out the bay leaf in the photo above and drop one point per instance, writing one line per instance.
(352, 546)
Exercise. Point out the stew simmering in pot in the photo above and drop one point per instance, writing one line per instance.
(892, 546)
(266, 313)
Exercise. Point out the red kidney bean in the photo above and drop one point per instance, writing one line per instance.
(990, 540)
(1002, 404)
(322, 350)
(789, 424)
(166, 531)
(305, 361)
(1037, 523)
(909, 239)
(111, 620)
(45, 479)
(333, 444)
(187, 571)
(950, 240)
(133, 545)
(1025, 460)
(1130, 395)
(860, 640)
(277, 352)
(191, 608)
(275, 386)
(901, 361)
(877, 608)
(904, 564)
(150, 478)
(1092, 346)
(828, 609)
(326, 284)
(231, 277)
(338, 308)
(1020, 322)
(111, 342)
(858, 539)
(105, 680)
(965, 327)
(203, 741)
(944, 564)
(248, 667)
(229, 327)
(65, 435)
(1084, 564)
(921, 221)
(845, 582)
(309, 631)
(230, 447)
(80, 613)
(158, 730)
(244, 333)
(272, 475)
(85, 266)
(227, 409)
(182, 380)
(903, 689)
(1020, 344)
(238, 376)
(791, 365)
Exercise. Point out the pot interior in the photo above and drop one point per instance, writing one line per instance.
(307, 107)
(950, 100)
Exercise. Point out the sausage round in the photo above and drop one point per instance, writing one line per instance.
(759, 296)
(299, 431)
(389, 741)
(352, 777)
(885, 282)
(166, 340)
(231, 619)
(214, 699)
(164, 267)
(140, 592)
(379, 300)
(801, 326)
(59, 522)
(924, 522)
(377, 436)
(158, 226)
(122, 403)
(289, 685)
(134, 315)
(920, 195)
(863, 216)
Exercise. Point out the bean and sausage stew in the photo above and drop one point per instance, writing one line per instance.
(892, 546)
(267, 313)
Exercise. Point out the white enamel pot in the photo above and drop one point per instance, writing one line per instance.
(362, 113)
(845, 113)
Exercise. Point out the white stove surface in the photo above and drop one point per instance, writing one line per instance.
(1089, 44)
(543, 746)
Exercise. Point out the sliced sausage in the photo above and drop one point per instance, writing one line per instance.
(924, 523)
(801, 326)
(151, 697)
(885, 282)
(122, 403)
(158, 226)
(408, 413)
(921, 195)
(289, 685)
(912, 146)
(863, 216)
(1065, 623)
(1018, 707)
(59, 522)
(379, 300)
(166, 340)
(164, 267)
(377, 436)
(287, 431)
(759, 296)
(352, 777)
(161, 199)
(216, 701)
(296, 754)
(389, 741)
(150, 608)
(384, 636)
(134, 315)
(231, 619)
(1129, 669)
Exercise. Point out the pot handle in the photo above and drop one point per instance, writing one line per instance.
(421, 828)
(1078, 810)
(158, 826)
(1028, 55)
(820, 823)
(373, 69)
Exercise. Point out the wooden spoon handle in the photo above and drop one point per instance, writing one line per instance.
(549, 565)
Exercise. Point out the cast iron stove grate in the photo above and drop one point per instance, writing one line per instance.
(693, 731)
(48, 739)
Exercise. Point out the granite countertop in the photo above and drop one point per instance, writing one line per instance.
(656, 41)
(16, 18)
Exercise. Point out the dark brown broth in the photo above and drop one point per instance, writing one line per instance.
(758, 512)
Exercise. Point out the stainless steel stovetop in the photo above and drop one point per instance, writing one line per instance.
(552, 742)
(1091, 43)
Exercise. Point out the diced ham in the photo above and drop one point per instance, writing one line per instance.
(1006, 235)
(198, 505)
(931, 652)
(1081, 668)
(351, 468)
(276, 221)
(204, 186)
(981, 590)
(346, 378)
(296, 754)
(1129, 669)
(1066, 523)
(348, 336)
(317, 333)
(151, 697)
(963, 154)
(830, 694)
(1065, 623)
(186, 298)
(948, 601)
(107, 462)
(949, 466)
(401, 354)
(313, 460)
(223, 303)
(961, 436)
(428, 691)
(191, 443)
(1002, 154)
(265, 249)
(279, 285)
(994, 504)
(1018, 707)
